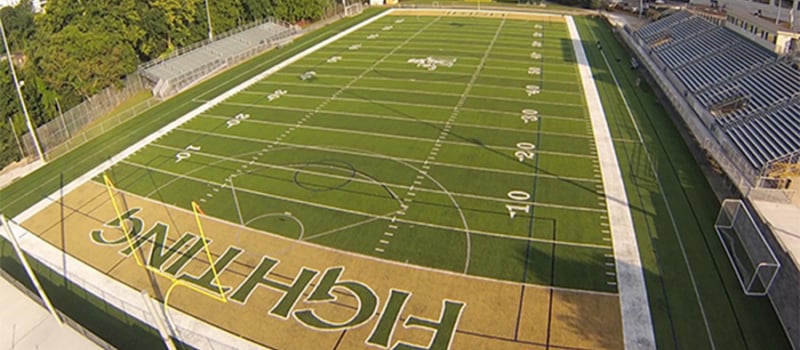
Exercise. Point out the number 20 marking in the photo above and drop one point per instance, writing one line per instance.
(525, 151)
(186, 154)
(237, 119)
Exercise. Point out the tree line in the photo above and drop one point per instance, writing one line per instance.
(77, 48)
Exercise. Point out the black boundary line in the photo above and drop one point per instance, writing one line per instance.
(339, 341)
(631, 156)
(529, 243)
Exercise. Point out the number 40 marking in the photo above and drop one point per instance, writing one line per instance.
(519, 196)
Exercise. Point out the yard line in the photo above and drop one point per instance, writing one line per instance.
(445, 164)
(339, 229)
(236, 201)
(456, 143)
(254, 119)
(388, 184)
(406, 80)
(377, 216)
(485, 111)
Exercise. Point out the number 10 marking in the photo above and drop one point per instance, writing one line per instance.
(519, 196)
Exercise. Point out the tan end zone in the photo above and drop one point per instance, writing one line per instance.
(496, 315)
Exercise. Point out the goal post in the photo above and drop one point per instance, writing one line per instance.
(751, 257)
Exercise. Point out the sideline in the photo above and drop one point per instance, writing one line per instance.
(637, 325)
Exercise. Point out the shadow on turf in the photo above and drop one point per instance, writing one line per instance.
(580, 318)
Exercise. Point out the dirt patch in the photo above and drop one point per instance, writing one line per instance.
(385, 302)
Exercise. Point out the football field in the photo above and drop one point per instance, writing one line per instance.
(442, 153)
(410, 142)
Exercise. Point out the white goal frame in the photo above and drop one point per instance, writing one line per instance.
(725, 220)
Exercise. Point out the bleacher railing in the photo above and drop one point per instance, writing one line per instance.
(204, 42)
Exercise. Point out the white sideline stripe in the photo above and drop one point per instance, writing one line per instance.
(637, 324)
(80, 271)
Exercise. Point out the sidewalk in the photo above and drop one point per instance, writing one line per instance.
(8, 176)
(27, 325)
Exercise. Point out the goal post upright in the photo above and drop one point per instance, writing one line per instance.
(111, 188)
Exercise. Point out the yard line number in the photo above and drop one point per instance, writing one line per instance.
(521, 206)
(524, 151)
(237, 119)
(186, 153)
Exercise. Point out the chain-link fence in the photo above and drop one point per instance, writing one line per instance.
(79, 124)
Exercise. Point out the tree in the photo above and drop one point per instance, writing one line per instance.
(180, 15)
(255, 9)
(86, 62)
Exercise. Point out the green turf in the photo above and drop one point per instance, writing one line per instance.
(735, 320)
(359, 144)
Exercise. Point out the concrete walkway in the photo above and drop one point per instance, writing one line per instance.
(8, 176)
(27, 325)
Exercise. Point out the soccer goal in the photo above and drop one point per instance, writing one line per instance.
(752, 258)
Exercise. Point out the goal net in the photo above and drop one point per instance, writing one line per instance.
(752, 258)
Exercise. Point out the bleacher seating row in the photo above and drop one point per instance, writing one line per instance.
(751, 94)
(182, 70)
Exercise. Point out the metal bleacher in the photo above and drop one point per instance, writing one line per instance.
(750, 94)
(178, 71)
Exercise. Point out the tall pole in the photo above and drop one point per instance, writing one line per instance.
(778, 17)
(28, 121)
(208, 16)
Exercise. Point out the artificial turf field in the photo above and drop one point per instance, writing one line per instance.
(332, 164)
(379, 156)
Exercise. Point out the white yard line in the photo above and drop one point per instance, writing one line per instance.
(637, 324)
(368, 181)
(411, 138)
(440, 123)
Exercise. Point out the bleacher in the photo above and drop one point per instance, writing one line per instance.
(174, 73)
(749, 92)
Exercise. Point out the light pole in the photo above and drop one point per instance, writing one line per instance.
(28, 121)
(208, 16)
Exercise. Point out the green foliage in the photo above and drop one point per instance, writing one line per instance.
(80, 47)
(85, 61)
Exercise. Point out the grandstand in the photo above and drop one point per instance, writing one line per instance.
(180, 70)
(741, 103)
(745, 91)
